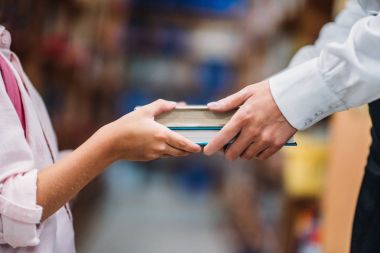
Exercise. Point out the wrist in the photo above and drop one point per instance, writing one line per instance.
(106, 140)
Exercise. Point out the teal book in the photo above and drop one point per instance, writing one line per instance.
(199, 124)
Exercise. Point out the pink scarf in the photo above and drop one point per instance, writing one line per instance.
(13, 90)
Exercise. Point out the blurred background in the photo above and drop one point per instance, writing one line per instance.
(95, 60)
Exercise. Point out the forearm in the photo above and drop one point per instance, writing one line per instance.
(58, 183)
(134, 137)
(345, 75)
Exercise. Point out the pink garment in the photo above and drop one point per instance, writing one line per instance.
(12, 90)
(22, 153)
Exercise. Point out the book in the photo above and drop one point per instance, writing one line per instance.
(194, 116)
(198, 124)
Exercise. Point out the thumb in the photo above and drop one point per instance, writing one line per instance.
(230, 102)
(158, 107)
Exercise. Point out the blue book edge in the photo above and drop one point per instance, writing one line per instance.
(290, 144)
(196, 128)
(203, 144)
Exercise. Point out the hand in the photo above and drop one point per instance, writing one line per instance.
(259, 125)
(138, 137)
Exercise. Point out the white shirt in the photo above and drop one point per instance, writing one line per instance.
(340, 71)
(21, 229)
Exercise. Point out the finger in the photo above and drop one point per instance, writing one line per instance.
(170, 151)
(228, 132)
(237, 148)
(230, 102)
(158, 107)
(268, 152)
(179, 142)
(253, 150)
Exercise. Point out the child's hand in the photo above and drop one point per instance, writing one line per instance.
(137, 137)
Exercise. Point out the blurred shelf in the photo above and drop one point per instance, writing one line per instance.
(300, 223)
(212, 9)
(183, 19)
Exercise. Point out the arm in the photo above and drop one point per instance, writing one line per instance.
(135, 137)
(344, 75)
(337, 31)
(28, 195)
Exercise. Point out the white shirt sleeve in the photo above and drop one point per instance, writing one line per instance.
(337, 31)
(341, 71)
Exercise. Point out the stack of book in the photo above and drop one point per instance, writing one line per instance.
(198, 123)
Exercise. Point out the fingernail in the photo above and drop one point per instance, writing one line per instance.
(212, 104)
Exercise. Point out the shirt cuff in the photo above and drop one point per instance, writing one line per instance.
(20, 214)
(302, 95)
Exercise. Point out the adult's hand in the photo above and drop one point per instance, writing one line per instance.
(259, 125)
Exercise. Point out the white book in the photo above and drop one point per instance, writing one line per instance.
(201, 137)
(194, 116)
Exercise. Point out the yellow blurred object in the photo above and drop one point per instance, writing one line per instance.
(304, 166)
(338, 6)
